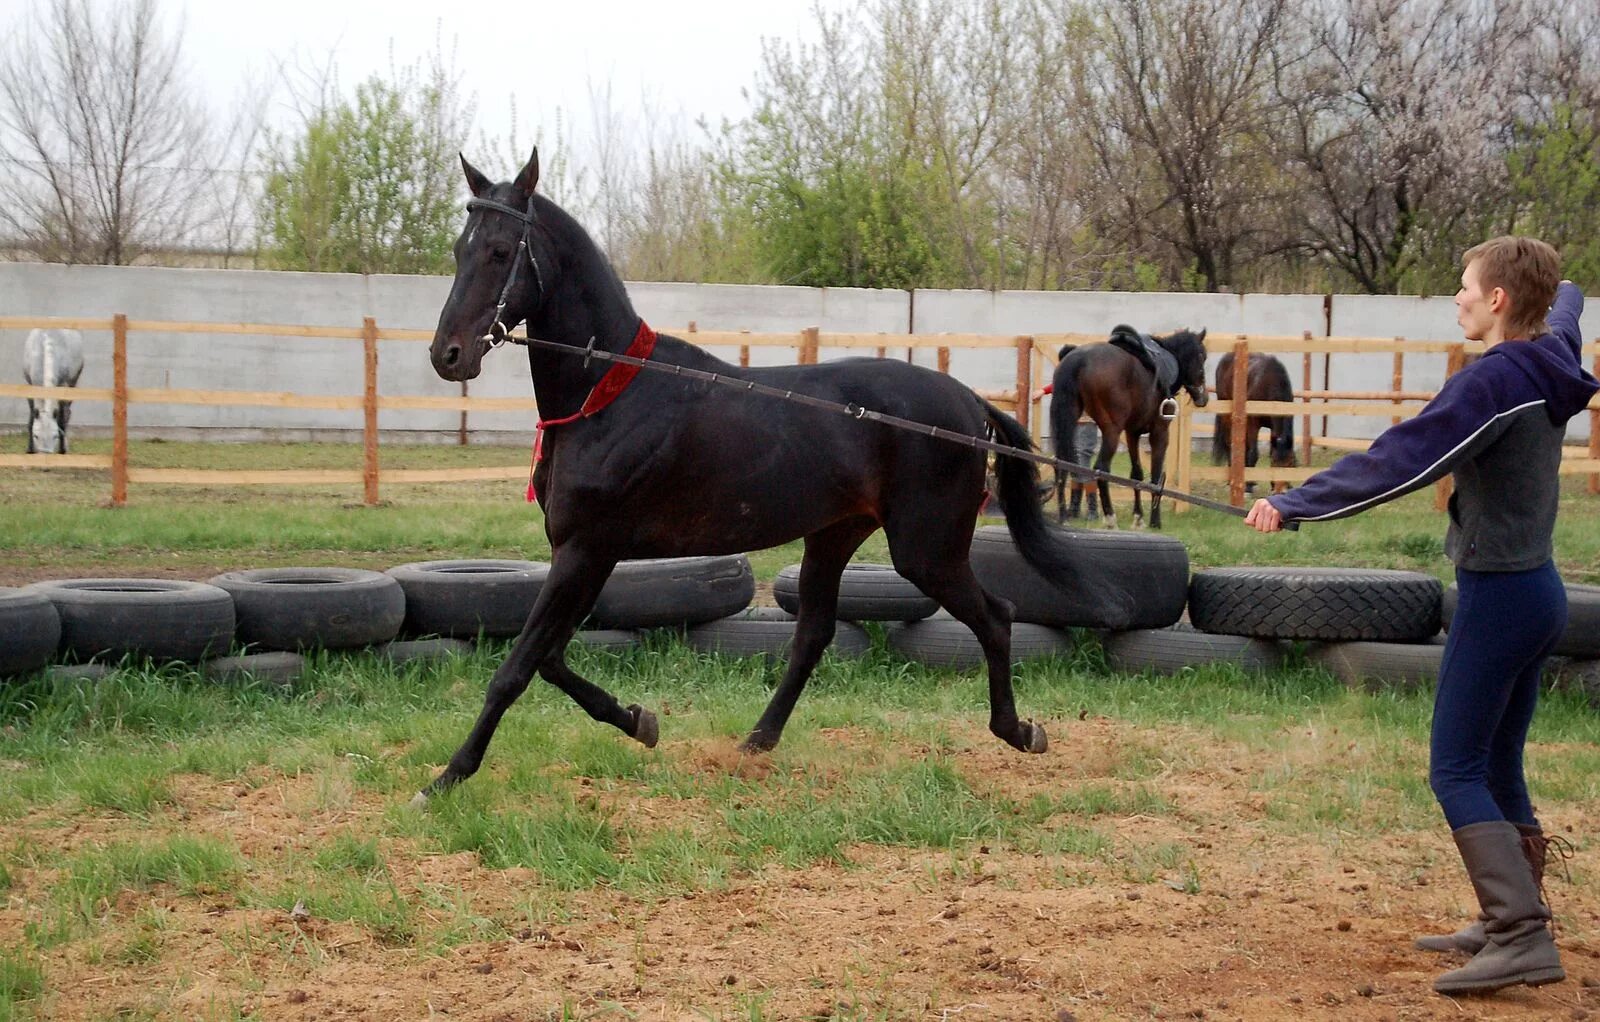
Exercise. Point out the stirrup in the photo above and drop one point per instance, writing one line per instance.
(1169, 409)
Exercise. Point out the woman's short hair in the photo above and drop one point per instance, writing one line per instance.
(1529, 271)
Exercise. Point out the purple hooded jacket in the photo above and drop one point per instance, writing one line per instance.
(1497, 426)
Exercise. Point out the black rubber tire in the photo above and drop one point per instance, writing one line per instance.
(1336, 604)
(77, 672)
(1142, 570)
(1378, 665)
(1581, 640)
(295, 609)
(277, 669)
(402, 652)
(674, 592)
(609, 638)
(458, 599)
(769, 631)
(1170, 650)
(1574, 675)
(30, 631)
(942, 641)
(158, 618)
(867, 592)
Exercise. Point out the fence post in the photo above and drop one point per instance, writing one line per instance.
(369, 404)
(1399, 378)
(1453, 364)
(1594, 435)
(119, 410)
(808, 345)
(1024, 380)
(1305, 420)
(944, 361)
(1182, 448)
(1237, 421)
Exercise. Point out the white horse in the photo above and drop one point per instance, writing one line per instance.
(51, 358)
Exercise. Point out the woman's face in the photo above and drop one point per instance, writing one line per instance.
(1475, 310)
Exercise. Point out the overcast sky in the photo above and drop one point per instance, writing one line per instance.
(687, 60)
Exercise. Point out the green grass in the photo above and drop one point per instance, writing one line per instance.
(585, 810)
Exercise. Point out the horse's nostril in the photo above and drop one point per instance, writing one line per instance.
(452, 354)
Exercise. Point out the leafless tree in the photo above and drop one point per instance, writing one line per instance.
(109, 158)
(1397, 111)
(1182, 91)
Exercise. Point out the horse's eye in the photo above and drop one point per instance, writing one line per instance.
(499, 254)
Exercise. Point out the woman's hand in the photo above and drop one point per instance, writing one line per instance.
(1263, 517)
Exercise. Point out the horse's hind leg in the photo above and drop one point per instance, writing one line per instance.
(568, 594)
(1108, 450)
(1136, 473)
(827, 554)
(942, 571)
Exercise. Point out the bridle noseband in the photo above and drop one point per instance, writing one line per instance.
(499, 331)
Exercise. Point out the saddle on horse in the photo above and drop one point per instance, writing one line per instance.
(1163, 365)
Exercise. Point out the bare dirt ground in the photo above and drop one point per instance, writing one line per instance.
(1275, 925)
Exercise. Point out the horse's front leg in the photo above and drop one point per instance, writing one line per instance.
(568, 594)
(1158, 471)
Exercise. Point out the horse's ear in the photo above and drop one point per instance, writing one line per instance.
(1202, 335)
(528, 178)
(475, 179)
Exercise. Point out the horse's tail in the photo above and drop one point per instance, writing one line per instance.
(1283, 440)
(1281, 389)
(1050, 551)
(1064, 410)
(1220, 452)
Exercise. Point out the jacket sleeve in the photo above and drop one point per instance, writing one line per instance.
(1564, 315)
(1461, 420)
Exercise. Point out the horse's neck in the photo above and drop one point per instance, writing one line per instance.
(588, 306)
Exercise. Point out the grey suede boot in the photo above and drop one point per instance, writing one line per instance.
(1469, 940)
(1518, 946)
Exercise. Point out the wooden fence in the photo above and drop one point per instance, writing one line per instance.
(1035, 357)
(807, 343)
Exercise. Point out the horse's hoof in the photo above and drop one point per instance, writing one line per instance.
(758, 744)
(646, 729)
(1138, 523)
(1034, 738)
(1111, 521)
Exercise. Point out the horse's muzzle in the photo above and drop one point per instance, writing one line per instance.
(457, 360)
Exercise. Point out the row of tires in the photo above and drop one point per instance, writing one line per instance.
(295, 609)
(1236, 613)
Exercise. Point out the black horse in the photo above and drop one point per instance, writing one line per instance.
(1266, 380)
(677, 467)
(1125, 393)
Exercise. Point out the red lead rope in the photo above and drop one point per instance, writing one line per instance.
(613, 383)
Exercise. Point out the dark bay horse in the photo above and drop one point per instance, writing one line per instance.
(1266, 380)
(1123, 396)
(674, 466)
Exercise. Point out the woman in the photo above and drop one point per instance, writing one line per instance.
(1497, 426)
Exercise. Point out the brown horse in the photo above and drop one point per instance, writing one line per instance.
(1266, 380)
(1125, 396)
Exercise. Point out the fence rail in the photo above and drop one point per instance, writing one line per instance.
(1035, 358)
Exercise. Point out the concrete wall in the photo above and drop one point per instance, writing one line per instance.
(325, 366)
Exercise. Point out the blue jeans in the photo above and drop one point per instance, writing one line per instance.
(1506, 624)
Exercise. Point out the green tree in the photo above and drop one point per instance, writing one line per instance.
(1555, 180)
(368, 185)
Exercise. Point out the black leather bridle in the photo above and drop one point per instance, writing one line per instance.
(500, 331)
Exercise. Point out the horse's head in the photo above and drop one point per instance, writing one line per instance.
(492, 265)
(47, 432)
(1189, 348)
